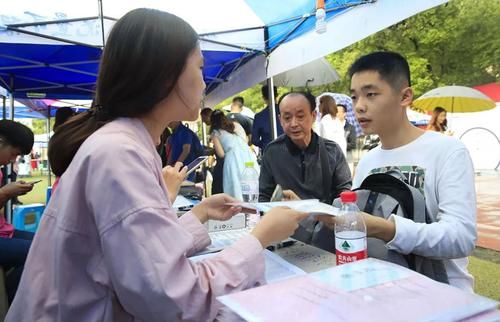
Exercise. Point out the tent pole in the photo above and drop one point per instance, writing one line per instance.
(9, 166)
(4, 107)
(48, 139)
(101, 17)
(272, 108)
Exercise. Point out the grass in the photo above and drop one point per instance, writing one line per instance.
(484, 264)
(37, 195)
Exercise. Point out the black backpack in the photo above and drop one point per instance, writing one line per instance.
(383, 194)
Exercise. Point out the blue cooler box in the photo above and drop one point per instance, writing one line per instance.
(27, 217)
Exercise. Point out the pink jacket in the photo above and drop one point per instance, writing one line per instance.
(110, 246)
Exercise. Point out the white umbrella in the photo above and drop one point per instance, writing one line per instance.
(317, 72)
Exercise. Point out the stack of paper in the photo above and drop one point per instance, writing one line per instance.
(367, 290)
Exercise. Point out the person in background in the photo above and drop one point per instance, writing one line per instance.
(304, 164)
(181, 142)
(217, 169)
(162, 147)
(330, 127)
(15, 139)
(237, 116)
(110, 247)
(438, 122)
(233, 149)
(261, 130)
(63, 114)
(349, 134)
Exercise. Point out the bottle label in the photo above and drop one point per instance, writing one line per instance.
(349, 250)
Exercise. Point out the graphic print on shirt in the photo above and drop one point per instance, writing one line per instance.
(414, 175)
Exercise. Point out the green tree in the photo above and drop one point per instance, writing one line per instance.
(455, 43)
(39, 126)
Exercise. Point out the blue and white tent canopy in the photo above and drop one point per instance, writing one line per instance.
(48, 54)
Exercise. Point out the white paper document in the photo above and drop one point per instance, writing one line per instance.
(277, 269)
(368, 290)
(224, 238)
(311, 206)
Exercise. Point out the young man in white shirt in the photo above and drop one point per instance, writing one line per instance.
(438, 165)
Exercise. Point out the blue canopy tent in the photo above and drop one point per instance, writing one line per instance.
(243, 41)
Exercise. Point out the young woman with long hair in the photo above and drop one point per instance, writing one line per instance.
(110, 246)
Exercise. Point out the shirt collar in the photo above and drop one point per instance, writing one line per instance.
(310, 149)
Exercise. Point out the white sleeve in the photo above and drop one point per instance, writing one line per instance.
(454, 234)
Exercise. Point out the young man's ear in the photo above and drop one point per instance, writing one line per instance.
(407, 97)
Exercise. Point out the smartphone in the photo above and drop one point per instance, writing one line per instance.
(277, 193)
(34, 182)
(196, 163)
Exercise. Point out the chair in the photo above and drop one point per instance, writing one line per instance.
(4, 305)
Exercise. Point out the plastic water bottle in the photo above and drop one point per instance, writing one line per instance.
(250, 191)
(320, 21)
(350, 231)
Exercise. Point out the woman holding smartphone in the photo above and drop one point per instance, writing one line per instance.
(110, 246)
(15, 139)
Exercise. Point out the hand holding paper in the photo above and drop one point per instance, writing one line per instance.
(311, 206)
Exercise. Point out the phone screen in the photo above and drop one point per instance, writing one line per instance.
(196, 163)
(277, 193)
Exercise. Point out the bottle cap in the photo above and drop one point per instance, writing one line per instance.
(249, 164)
(348, 196)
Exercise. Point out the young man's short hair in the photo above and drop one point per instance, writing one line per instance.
(392, 68)
(307, 95)
(239, 100)
(17, 135)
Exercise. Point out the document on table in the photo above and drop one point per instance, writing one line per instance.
(368, 290)
(277, 269)
(224, 238)
(311, 206)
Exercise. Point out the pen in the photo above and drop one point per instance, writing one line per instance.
(280, 245)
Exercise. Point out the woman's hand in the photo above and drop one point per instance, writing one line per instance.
(277, 224)
(216, 207)
(173, 177)
(289, 195)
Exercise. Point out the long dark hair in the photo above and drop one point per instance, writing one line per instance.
(219, 121)
(145, 54)
(433, 123)
(327, 105)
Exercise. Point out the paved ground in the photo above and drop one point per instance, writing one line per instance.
(488, 210)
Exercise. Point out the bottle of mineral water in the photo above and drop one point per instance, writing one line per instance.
(350, 231)
(250, 191)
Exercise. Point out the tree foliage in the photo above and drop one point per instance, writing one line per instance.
(455, 43)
